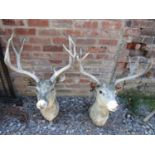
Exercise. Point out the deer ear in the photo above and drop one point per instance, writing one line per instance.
(138, 46)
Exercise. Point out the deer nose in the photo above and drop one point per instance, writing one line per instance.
(113, 105)
(41, 104)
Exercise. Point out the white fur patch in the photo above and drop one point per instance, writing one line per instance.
(41, 104)
(112, 105)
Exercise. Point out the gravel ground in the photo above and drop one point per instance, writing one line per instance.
(73, 119)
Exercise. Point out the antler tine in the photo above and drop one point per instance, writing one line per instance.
(71, 57)
(21, 48)
(132, 74)
(85, 56)
(119, 47)
(72, 44)
(70, 53)
(82, 69)
(7, 55)
(17, 54)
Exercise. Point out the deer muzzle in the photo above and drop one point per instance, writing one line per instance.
(42, 104)
(112, 105)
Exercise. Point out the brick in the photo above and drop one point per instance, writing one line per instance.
(39, 55)
(75, 86)
(60, 40)
(93, 63)
(64, 91)
(78, 23)
(60, 55)
(39, 40)
(25, 55)
(72, 75)
(121, 66)
(148, 32)
(38, 22)
(81, 92)
(97, 49)
(49, 32)
(102, 56)
(90, 25)
(5, 31)
(68, 80)
(108, 42)
(53, 48)
(90, 56)
(132, 32)
(13, 22)
(111, 25)
(143, 23)
(123, 59)
(28, 47)
(55, 61)
(47, 75)
(139, 39)
(86, 41)
(137, 23)
(75, 33)
(24, 31)
(92, 33)
(84, 81)
(61, 23)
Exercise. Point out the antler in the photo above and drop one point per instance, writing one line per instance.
(82, 69)
(19, 68)
(119, 47)
(72, 55)
(134, 66)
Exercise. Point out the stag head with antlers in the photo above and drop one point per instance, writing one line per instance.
(45, 89)
(106, 93)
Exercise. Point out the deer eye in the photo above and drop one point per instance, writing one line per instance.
(100, 91)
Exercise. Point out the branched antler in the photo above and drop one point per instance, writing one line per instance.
(118, 53)
(80, 60)
(134, 68)
(19, 68)
(72, 54)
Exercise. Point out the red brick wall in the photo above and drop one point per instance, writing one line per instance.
(43, 48)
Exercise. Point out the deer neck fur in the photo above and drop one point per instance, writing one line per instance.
(53, 108)
(100, 102)
(99, 112)
(101, 105)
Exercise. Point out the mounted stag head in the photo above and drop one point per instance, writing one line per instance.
(46, 93)
(106, 94)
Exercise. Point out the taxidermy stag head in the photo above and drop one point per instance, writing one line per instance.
(45, 89)
(106, 93)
